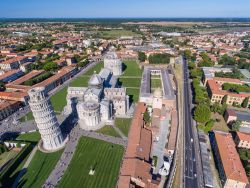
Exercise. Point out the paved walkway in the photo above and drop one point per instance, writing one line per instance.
(120, 133)
(25, 166)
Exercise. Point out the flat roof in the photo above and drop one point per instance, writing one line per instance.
(145, 90)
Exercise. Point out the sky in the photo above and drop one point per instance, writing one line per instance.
(124, 9)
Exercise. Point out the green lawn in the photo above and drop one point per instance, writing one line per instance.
(133, 94)
(155, 83)
(32, 137)
(108, 130)
(131, 69)
(80, 82)
(113, 34)
(58, 100)
(97, 68)
(130, 82)
(39, 169)
(27, 117)
(123, 124)
(6, 156)
(102, 156)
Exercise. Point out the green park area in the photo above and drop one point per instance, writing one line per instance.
(115, 33)
(31, 137)
(108, 130)
(131, 79)
(39, 169)
(6, 156)
(155, 83)
(123, 124)
(91, 154)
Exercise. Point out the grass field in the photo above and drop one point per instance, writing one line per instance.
(130, 82)
(32, 137)
(96, 68)
(131, 69)
(102, 156)
(108, 130)
(27, 117)
(39, 169)
(123, 124)
(113, 34)
(80, 82)
(134, 94)
(155, 83)
(58, 100)
(6, 156)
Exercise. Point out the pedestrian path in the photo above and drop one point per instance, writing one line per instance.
(25, 166)
(120, 133)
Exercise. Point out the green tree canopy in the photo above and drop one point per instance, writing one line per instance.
(159, 59)
(50, 66)
(202, 113)
(236, 125)
(141, 56)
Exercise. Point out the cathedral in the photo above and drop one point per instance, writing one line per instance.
(102, 100)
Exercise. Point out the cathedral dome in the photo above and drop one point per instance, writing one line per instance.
(95, 80)
(158, 93)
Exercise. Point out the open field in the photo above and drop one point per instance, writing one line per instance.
(219, 124)
(110, 34)
(108, 130)
(123, 124)
(58, 100)
(155, 83)
(130, 82)
(131, 68)
(105, 158)
(32, 137)
(39, 169)
(133, 94)
(97, 68)
(80, 82)
(6, 156)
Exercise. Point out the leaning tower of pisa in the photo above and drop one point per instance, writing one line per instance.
(45, 118)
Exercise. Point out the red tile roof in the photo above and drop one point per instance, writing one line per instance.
(229, 157)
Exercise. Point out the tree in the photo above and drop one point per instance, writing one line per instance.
(245, 102)
(50, 66)
(227, 60)
(159, 59)
(187, 54)
(195, 73)
(236, 125)
(224, 100)
(202, 113)
(2, 86)
(191, 65)
(146, 117)
(141, 56)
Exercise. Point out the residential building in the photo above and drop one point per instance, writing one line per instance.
(242, 140)
(231, 171)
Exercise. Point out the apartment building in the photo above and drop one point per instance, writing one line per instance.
(231, 171)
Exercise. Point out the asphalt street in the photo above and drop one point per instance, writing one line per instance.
(191, 176)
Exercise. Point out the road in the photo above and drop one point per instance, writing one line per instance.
(192, 173)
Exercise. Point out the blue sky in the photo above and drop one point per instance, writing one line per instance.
(121, 8)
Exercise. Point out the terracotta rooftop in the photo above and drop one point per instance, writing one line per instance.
(215, 88)
(229, 157)
(9, 73)
(134, 168)
(28, 76)
(243, 136)
(12, 60)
